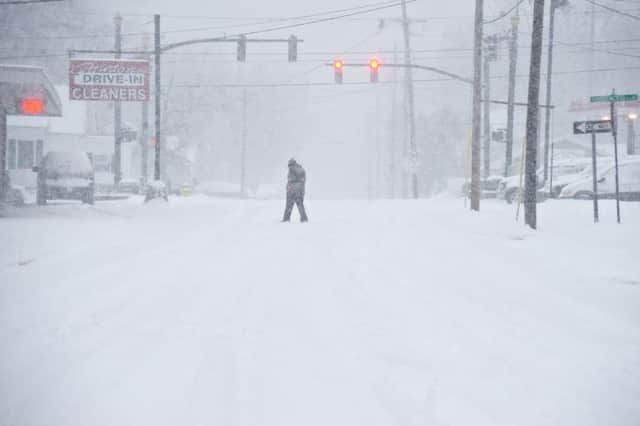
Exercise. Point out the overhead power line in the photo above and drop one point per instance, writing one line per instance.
(611, 9)
(504, 14)
(12, 2)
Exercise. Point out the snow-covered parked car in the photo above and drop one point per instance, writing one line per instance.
(566, 172)
(629, 182)
(509, 188)
(65, 175)
(488, 187)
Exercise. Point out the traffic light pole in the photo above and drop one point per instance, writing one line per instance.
(408, 76)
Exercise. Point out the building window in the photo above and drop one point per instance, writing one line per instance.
(12, 155)
(26, 154)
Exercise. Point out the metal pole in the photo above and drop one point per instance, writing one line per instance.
(158, 90)
(243, 158)
(477, 94)
(413, 151)
(4, 173)
(486, 116)
(117, 111)
(614, 132)
(595, 178)
(513, 60)
(144, 147)
(547, 112)
(530, 187)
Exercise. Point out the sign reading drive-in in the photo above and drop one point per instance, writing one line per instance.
(584, 127)
(108, 80)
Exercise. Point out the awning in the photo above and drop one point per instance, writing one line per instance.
(20, 83)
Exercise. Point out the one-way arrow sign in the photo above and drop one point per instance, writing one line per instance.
(584, 127)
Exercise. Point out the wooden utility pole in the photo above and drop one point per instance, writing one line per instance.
(513, 61)
(531, 181)
(408, 76)
(477, 94)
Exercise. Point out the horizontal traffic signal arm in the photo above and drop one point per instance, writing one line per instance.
(416, 66)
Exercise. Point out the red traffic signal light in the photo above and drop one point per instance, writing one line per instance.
(31, 106)
(374, 65)
(338, 66)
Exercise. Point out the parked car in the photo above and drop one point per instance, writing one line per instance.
(65, 175)
(629, 183)
(566, 172)
(488, 187)
(509, 188)
(129, 186)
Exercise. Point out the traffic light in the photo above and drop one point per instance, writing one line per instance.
(31, 106)
(242, 48)
(338, 66)
(374, 65)
(293, 48)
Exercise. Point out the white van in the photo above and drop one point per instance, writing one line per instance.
(629, 182)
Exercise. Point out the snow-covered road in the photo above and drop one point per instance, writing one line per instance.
(205, 311)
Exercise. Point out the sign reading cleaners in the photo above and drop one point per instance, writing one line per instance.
(108, 80)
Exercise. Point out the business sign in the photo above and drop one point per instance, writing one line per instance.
(108, 80)
(584, 127)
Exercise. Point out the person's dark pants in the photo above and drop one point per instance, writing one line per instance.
(297, 199)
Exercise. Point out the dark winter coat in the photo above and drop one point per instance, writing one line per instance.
(296, 180)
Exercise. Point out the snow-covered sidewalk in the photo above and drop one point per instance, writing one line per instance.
(207, 311)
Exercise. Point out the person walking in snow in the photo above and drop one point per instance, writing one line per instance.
(296, 180)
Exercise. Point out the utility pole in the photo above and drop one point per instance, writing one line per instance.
(408, 76)
(530, 185)
(393, 149)
(477, 94)
(513, 60)
(243, 159)
(156, 22)
(144, 134)
(490, 55)
(555, 4)
(117, 111)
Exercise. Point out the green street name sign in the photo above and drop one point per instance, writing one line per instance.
(614, 98)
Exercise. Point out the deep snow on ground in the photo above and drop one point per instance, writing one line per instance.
(207, 311)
